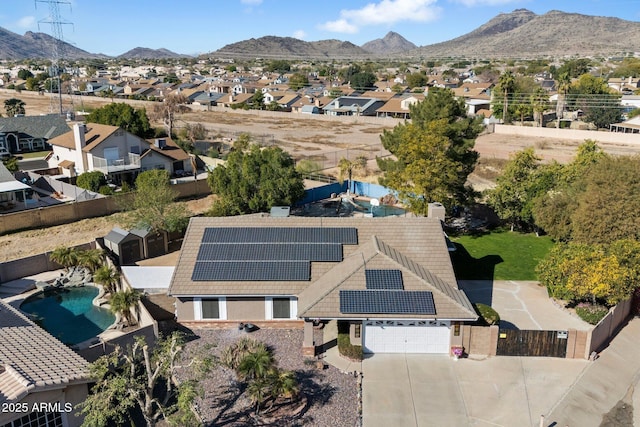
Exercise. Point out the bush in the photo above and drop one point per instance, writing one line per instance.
(488, 315)
(232, 355)
(91, 181)
(344, 343)
(105, 190)
(591, 314)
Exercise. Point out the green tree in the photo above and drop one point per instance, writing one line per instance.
(65, 256)
(539, 103)
(257, 100)
(91, 181)
(32, 84)
(145, 378)
(514, 193)
(564, 83)
(575, 68)
(297, 81)
(416, 80)
(608, 208)
(154, 203)
(14, 106)
(433, 153)
(599, 104)
(279, 66)
(255, 181)
(24, 74)
(363, 81)
(347, 167)
(122, 303)
(506, 85)
(90, 259)
(108, 277)
(255, 365)
(124, 116)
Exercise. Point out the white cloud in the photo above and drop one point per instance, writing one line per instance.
(384, 12)
(472, 3)
(251, 2)
(26, 22)
(299, 34)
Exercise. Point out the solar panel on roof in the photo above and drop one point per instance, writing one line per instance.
(323, 252)
(386, 302)
(384, 279)
(344, 235)
(251, 271)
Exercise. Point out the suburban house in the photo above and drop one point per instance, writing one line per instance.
(117, 153)
(25, 134)
(41, 379)
(391, 278)
(12, 191)
(353, 106)
(398, 107)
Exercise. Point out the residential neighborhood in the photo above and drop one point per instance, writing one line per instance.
(347, 237)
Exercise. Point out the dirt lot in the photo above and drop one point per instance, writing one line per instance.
(301, 137)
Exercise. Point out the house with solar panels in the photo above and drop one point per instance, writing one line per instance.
(390, 277)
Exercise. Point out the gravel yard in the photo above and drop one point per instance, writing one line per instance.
(332, 396)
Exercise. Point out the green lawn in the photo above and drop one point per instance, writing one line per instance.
(34, 155)
(500, 256)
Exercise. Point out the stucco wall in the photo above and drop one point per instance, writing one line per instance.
(245, 309)
(574, 134)
(184, 309)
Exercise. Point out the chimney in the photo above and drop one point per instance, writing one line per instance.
(79, 139)
(436, 210)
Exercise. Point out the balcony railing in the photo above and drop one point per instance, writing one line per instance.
(107, 166)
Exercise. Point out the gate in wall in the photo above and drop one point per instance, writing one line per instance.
(512, 342)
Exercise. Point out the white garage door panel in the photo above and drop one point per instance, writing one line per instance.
(391, 338)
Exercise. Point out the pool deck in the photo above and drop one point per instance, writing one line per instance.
(19, 289)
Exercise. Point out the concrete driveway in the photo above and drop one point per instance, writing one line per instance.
(521, 305)
(417, 390)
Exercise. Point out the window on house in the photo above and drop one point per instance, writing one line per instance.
(357, 330)
(210, 308)
(281, 308)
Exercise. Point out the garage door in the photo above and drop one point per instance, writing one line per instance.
(401, 336)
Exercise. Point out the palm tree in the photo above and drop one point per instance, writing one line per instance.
(122, 302)
(90, 259)
(66, 257)
(258, 391)
(564, 82)
(506, 83)
(256, 365)
(284, 384)
(108, 277)
(347, 166)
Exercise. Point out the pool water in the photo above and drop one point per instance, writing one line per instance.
(380, 211)
(68, 313)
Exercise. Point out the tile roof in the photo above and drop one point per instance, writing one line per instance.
(31, 360)
(47, 127)
(95, 134)
(415, 245)
(170, 150)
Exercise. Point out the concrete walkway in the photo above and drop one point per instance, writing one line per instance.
(605, 382)
(332, 355)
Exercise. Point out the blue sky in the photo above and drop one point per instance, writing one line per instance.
(198, 26)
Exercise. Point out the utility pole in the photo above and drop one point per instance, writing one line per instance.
(57, 50)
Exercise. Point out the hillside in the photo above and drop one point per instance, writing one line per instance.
(389, 44)
(289, 47)
(523, 34)
(35, 45)
(146, 53)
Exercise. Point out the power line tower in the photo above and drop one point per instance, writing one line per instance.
(57, 52)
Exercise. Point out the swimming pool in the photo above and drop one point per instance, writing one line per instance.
(68, 313)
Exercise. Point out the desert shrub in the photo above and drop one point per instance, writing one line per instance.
(590, 313)
(106, 190)
(488, 315)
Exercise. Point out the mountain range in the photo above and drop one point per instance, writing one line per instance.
(518, 34)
